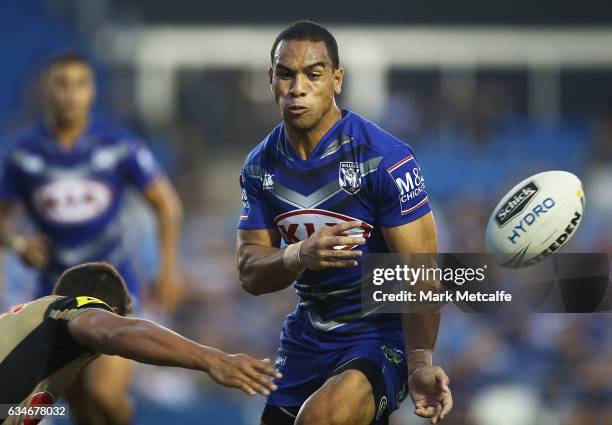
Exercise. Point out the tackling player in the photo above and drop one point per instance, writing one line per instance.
(70, 172)
(334, 187)
(45, 343)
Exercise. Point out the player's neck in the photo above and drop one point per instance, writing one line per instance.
(67, 134)
(305, 141)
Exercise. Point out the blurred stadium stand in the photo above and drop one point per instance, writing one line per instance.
(497, 104)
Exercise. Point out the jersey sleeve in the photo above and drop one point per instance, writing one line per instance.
(140, 166)
(65, 309)
(399, 189)
(8, 178)
(70, 307)
(255, 213)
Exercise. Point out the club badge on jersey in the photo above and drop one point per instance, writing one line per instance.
(349, 177)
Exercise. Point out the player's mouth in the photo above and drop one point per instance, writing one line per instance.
(297, 109)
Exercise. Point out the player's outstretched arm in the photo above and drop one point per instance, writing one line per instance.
(264, 267)
(147, 342)
(428, 384)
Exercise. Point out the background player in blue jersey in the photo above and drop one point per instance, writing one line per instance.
(70, 172)
(334, 187)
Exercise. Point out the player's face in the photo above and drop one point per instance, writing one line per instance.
(70, 92)
(304, 82)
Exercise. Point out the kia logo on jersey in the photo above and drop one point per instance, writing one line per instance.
(73, 201)
(298, 225)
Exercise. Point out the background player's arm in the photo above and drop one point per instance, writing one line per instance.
(262, 267)
(31, 248)
(148, 342)
(167, 207)
(428, 384)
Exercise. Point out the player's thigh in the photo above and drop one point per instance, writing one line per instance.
(109, 376)
(344, 399)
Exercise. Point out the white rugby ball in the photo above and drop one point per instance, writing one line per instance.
(534, 219)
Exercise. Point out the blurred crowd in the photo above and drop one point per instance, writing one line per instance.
(473, 145)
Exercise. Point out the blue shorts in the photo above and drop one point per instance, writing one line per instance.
(307, 358)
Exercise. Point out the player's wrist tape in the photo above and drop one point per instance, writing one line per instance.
(291, 258)
(418, 358)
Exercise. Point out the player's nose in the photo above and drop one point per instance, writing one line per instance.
(298, 88)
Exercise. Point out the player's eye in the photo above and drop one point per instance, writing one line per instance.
(283, 74)
(314, 75)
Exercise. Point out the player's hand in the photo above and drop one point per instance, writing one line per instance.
(317, 252)
(34, 251)
(430, 393)
(245, 373)
(168, 289)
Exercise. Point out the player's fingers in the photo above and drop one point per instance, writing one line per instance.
(425, 411)
(244, 387)
(340, 254)
(426, 408)
(337, 264)
(420, 403)
(248, 371)
(338, 229)
(447, 405)
(333, 241)
(263, 380)
(436, 414)
(264, 366)
(261, 389)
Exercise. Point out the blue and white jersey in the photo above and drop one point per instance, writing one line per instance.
(74, 197)
(358, 171)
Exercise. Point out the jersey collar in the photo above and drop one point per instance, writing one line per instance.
(327, 138)
(50, 142)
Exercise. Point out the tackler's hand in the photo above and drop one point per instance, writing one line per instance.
(245, 373)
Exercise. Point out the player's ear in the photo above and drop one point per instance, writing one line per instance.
(338, 77)
(270, 74)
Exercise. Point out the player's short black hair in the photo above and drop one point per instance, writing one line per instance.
(311, 31)
(98, 280)
(65, 58)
